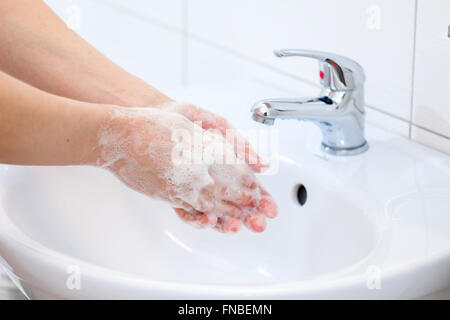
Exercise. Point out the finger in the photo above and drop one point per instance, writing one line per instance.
(249, 181)
(267, 204)
(239, 196)
(236, 187)
(268, 207)
(212, 121)
(217, 205)
(254, 161)
(255, 222)
(195, 218)
(224, 209)
(244, 150)
(228, 225)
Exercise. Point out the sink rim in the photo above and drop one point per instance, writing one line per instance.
(51, 252)
(14, 240)
(10, 231)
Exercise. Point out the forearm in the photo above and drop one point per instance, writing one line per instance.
(37, 128)
(38, 48)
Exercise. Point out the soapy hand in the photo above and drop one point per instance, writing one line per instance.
(154, 151)
(212, 121)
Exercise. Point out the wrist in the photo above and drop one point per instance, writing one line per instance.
(113, 127)
(98, 117)
(137, 93)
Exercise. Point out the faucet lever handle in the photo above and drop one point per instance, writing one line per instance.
(337, 73)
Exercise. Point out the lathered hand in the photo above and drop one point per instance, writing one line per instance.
(139, 145)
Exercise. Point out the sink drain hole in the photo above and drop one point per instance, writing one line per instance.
(301, 194)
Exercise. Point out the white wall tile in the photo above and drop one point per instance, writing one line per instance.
(387, 122)
(169, 12)
(430, 139)
(255, 27)
(432, 67)
(145, 50)
(211, 65)
(208, 64)
(234, 40)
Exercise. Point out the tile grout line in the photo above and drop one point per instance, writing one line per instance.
(413, 71)
(247, 58)
(430, 131)
(190, 36)
(387, 113)
(144, 18)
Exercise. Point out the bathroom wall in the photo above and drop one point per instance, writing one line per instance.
(402, 45)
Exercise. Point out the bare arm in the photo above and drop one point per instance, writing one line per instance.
(43, 128)
(37, 47)
(37, 128)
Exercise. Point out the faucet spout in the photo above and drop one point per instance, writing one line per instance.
(338, 110)
(341, 124)
(268, 110)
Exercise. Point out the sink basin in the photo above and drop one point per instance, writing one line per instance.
(375, 225)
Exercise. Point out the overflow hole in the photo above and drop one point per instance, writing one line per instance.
(301, 194)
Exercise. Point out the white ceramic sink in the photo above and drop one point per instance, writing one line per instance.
(373, 226)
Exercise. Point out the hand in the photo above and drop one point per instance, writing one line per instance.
(138, 144)
(210, 121)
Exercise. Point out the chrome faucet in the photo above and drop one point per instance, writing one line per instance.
(338, 110)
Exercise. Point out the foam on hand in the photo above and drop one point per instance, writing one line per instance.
(137, 145)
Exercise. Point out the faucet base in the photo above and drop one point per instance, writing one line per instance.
(345, 151)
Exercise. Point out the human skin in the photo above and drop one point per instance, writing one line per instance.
(39, 49)
(38, 128)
